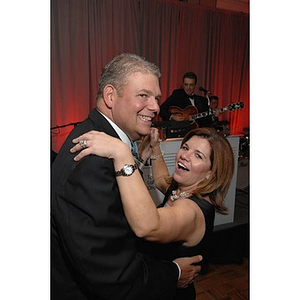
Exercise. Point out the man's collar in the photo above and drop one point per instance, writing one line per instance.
(123, 136)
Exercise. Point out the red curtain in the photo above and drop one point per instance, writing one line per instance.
(178, 37)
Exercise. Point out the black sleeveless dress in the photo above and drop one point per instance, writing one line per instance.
(174, 250)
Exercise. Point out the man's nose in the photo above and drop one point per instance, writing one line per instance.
(153, 105)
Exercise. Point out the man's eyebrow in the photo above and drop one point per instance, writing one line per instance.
(148, 92)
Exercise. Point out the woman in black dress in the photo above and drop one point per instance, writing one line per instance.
(182, 225)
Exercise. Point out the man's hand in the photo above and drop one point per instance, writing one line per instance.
(217, 112)
(189, 271)
(177, 117)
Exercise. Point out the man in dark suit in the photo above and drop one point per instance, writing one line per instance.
(184, 97)
(94, 252)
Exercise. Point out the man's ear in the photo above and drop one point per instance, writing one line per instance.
(108, 95)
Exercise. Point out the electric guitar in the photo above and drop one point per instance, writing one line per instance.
(190, 113)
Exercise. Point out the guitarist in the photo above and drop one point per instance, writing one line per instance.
(214, 102)
(184, 97)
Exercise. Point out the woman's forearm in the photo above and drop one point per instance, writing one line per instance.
(139, 207)
(160, 171)
(168, 224)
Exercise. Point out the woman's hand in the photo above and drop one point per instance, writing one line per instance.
(98, 143)
(154, 137)
(149, 141)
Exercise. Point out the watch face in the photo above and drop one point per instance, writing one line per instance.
(128, 169)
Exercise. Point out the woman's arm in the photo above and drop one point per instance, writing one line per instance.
(150, 146)
(160, 171)
(177, 223)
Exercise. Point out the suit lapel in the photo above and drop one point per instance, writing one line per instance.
(101, 123)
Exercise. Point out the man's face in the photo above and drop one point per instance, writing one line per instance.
(138, 105)
(189, 86)
(214, 104)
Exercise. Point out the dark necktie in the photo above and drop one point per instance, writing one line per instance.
(135, 153)
(135, 150)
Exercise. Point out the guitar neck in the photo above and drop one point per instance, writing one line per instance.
(222, 109)
(199, 115)
(206, 113)
(189, 113)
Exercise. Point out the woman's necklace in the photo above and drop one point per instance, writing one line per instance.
(174, 196)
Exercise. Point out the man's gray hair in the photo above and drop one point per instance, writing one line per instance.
(122, 66)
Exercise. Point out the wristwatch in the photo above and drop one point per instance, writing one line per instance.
(127, 170)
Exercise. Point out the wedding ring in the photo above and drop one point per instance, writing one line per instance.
(83, 144)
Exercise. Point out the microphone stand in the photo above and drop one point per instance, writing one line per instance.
(66, 125)
(208, 100)
(206, 93)
(53, 153)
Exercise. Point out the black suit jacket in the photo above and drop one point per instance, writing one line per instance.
(180, 99)
(93, 250)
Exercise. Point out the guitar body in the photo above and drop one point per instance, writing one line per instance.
(190, 113)
(184, 112)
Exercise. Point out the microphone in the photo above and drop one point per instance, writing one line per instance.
(207, 94)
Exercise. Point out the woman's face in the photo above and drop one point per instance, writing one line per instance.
(192, 163)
